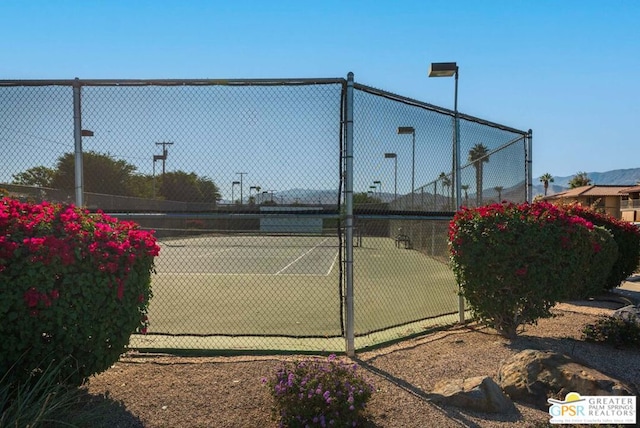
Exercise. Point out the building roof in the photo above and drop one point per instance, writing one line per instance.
(591, 190)
(632, 189)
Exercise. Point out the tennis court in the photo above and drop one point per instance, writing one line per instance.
(280, 286)
(250, 255)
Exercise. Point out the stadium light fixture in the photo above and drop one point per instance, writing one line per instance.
(442, 69)
(448, 69)
(256, 188)
(233, 184)
(406, 130)
(241, 174)
(394, 156)
(379, 184)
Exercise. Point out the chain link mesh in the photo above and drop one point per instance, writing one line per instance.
(404, 193)
(243, 183)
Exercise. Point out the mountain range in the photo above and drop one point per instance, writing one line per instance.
(616, 177)
(619, 177)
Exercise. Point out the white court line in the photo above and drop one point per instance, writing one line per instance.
(232, 274)
(332, 264)
(304, 254)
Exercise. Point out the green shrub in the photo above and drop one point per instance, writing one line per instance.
(618, 332)
(626, 236)
(515, 262)
(602, 258)
(319, 393)
(45, 401)
(74, 286)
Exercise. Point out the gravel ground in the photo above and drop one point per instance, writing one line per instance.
(168, 391)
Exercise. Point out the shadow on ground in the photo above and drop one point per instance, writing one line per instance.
(102, 411)
(458, 415)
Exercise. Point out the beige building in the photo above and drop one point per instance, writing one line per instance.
(630, 204)
(610, 199)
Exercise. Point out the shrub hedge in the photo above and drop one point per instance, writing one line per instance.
(514, 262)
(626, 236)
(74, 286)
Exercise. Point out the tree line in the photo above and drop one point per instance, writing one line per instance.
(106, 175)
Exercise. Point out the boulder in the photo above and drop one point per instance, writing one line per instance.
(628, 313)
(532, 376)
(478, 393)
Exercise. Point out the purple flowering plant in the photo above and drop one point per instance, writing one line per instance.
(319, 393)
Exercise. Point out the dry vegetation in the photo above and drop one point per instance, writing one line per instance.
(167, 391)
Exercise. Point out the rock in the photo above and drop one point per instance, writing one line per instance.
(628, 313)
(532, 376)
(479, 393)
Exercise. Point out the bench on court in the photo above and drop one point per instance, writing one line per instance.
(403, 239)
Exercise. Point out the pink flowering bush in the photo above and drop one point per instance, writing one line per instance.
(320, 393)
(515, 262)
(72, 284)
(626, 236)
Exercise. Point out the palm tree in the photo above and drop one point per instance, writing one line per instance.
(258, 189)
(478, 155)
(499, 190)
(446, 182)
(545, 179)
(465, 187)
(580, 179)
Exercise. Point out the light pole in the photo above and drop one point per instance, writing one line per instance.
(379, 184)
(162, 157)
(448, 69)
(373, 192)
(405, 130)
(165, 152)
(79, 167)
(241, 174)
(233, 184)
(257, 189)
(394, 156)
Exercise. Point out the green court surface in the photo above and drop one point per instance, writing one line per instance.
(290, 287)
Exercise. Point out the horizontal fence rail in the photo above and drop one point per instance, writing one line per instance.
(245, 183)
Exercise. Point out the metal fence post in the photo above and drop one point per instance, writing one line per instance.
(348, 195)
(528, 164)
(77, 136)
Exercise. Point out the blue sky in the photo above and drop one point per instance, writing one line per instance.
(569, 70)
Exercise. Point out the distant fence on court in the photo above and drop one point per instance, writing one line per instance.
(254, 187)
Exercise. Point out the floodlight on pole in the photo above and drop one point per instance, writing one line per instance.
(394, 156)
(448, 69)
(233, 184)
(241, 174)
(405, 130)
(379, 184)
(165, 153)
(256, 188)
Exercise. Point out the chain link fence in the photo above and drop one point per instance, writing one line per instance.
(244, 182)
